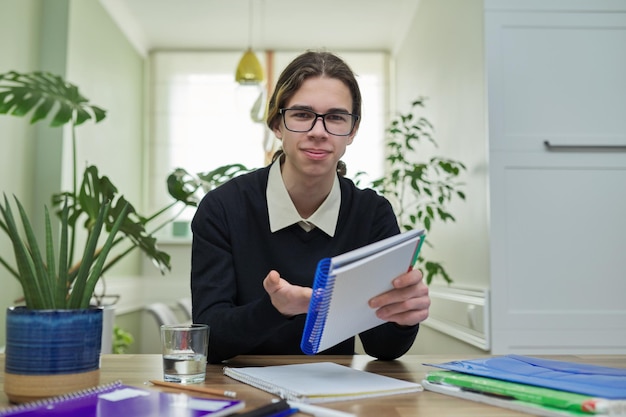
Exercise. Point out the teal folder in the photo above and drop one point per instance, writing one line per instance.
(592, 380)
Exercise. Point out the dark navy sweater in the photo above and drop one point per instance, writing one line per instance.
(234, 250)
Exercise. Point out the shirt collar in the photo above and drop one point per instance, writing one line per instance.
(282, 212)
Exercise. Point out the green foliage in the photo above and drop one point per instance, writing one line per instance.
(41, 93)
(95, 204)
(184, 186)
(121, 340)
(83, 208)
(419, 191)
(45, 286)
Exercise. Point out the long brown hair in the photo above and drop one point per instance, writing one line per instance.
(307, 65)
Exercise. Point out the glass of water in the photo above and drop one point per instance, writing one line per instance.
(185, 348)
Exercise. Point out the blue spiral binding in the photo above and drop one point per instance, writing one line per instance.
(318, 308)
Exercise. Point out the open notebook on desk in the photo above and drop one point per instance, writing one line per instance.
(320, 382)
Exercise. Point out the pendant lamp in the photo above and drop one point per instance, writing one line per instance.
(249, 70)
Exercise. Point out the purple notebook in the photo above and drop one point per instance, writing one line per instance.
(119, 400)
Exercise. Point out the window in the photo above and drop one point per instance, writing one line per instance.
(201, 118)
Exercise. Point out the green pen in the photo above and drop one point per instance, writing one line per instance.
(417, 252)
(563, 400)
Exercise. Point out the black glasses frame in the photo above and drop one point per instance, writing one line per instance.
(355, 118)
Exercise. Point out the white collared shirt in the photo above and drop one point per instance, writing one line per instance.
(283, 213)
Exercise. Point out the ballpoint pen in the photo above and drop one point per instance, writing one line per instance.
(316, 410)
(285, 413)
(270, 410)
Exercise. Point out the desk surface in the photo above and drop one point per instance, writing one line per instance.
(137, 369)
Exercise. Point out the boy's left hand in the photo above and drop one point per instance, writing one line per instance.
(407, 304)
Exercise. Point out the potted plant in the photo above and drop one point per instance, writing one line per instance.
(419, 191)
(53, 343)
(45, 354)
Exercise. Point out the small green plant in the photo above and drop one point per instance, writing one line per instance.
(121, 340)
(419, 191)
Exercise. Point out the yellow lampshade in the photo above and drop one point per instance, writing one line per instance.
(249, 70)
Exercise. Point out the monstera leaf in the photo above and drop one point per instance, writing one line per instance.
(107, 216)
(44, 93)
(95, 190)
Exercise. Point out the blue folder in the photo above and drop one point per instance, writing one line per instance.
(593, 380)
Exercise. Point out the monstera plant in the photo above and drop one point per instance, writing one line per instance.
(95, 204)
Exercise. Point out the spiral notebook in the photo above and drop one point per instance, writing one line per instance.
(319, 382)
(119, 400)
(344, 284)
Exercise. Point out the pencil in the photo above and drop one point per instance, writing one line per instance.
(195, 388)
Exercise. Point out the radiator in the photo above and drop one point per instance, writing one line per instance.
(462, 313)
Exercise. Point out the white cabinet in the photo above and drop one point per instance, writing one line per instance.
(556, 73)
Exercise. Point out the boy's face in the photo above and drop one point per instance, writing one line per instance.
(315, 153)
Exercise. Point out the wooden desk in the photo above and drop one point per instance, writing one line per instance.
(137, 369)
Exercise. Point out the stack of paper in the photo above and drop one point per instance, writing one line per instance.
(537, 386)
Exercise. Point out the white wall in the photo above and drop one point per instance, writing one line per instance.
(109, 71)
(19, 38)
(442, 59)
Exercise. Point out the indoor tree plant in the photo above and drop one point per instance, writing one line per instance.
(57, 289)
(419, 191)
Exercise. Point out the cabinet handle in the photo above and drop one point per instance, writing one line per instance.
(604, 148)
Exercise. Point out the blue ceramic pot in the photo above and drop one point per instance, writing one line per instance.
(50, 342)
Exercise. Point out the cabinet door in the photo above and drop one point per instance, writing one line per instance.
(558, 253)
(558, 212)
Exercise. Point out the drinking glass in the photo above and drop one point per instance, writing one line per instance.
(185, 348)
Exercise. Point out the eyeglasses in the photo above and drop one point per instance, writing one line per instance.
(335, 123)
